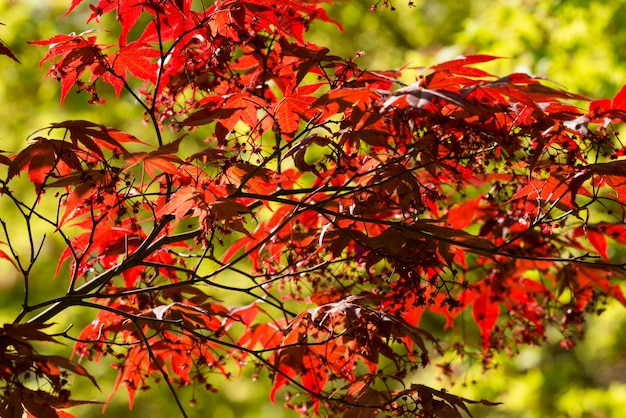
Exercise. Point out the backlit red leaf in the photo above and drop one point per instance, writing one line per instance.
(485, 312)
(293, 110)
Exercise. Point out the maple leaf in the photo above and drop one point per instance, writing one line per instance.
(4, 50)
(136, 58)
(160, 160)
(290, 111)
(74, 55)
(43, 158)
(485, 313)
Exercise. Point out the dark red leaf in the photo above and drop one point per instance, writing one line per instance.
(4, 50)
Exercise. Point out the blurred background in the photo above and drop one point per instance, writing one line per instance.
(581, 44)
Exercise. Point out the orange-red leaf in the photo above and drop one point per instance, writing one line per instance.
(292, 110)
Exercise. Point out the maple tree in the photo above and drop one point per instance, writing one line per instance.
(297, 214)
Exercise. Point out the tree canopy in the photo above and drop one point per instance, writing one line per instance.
(291, 212)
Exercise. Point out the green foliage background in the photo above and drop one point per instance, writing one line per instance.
(580, 44)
